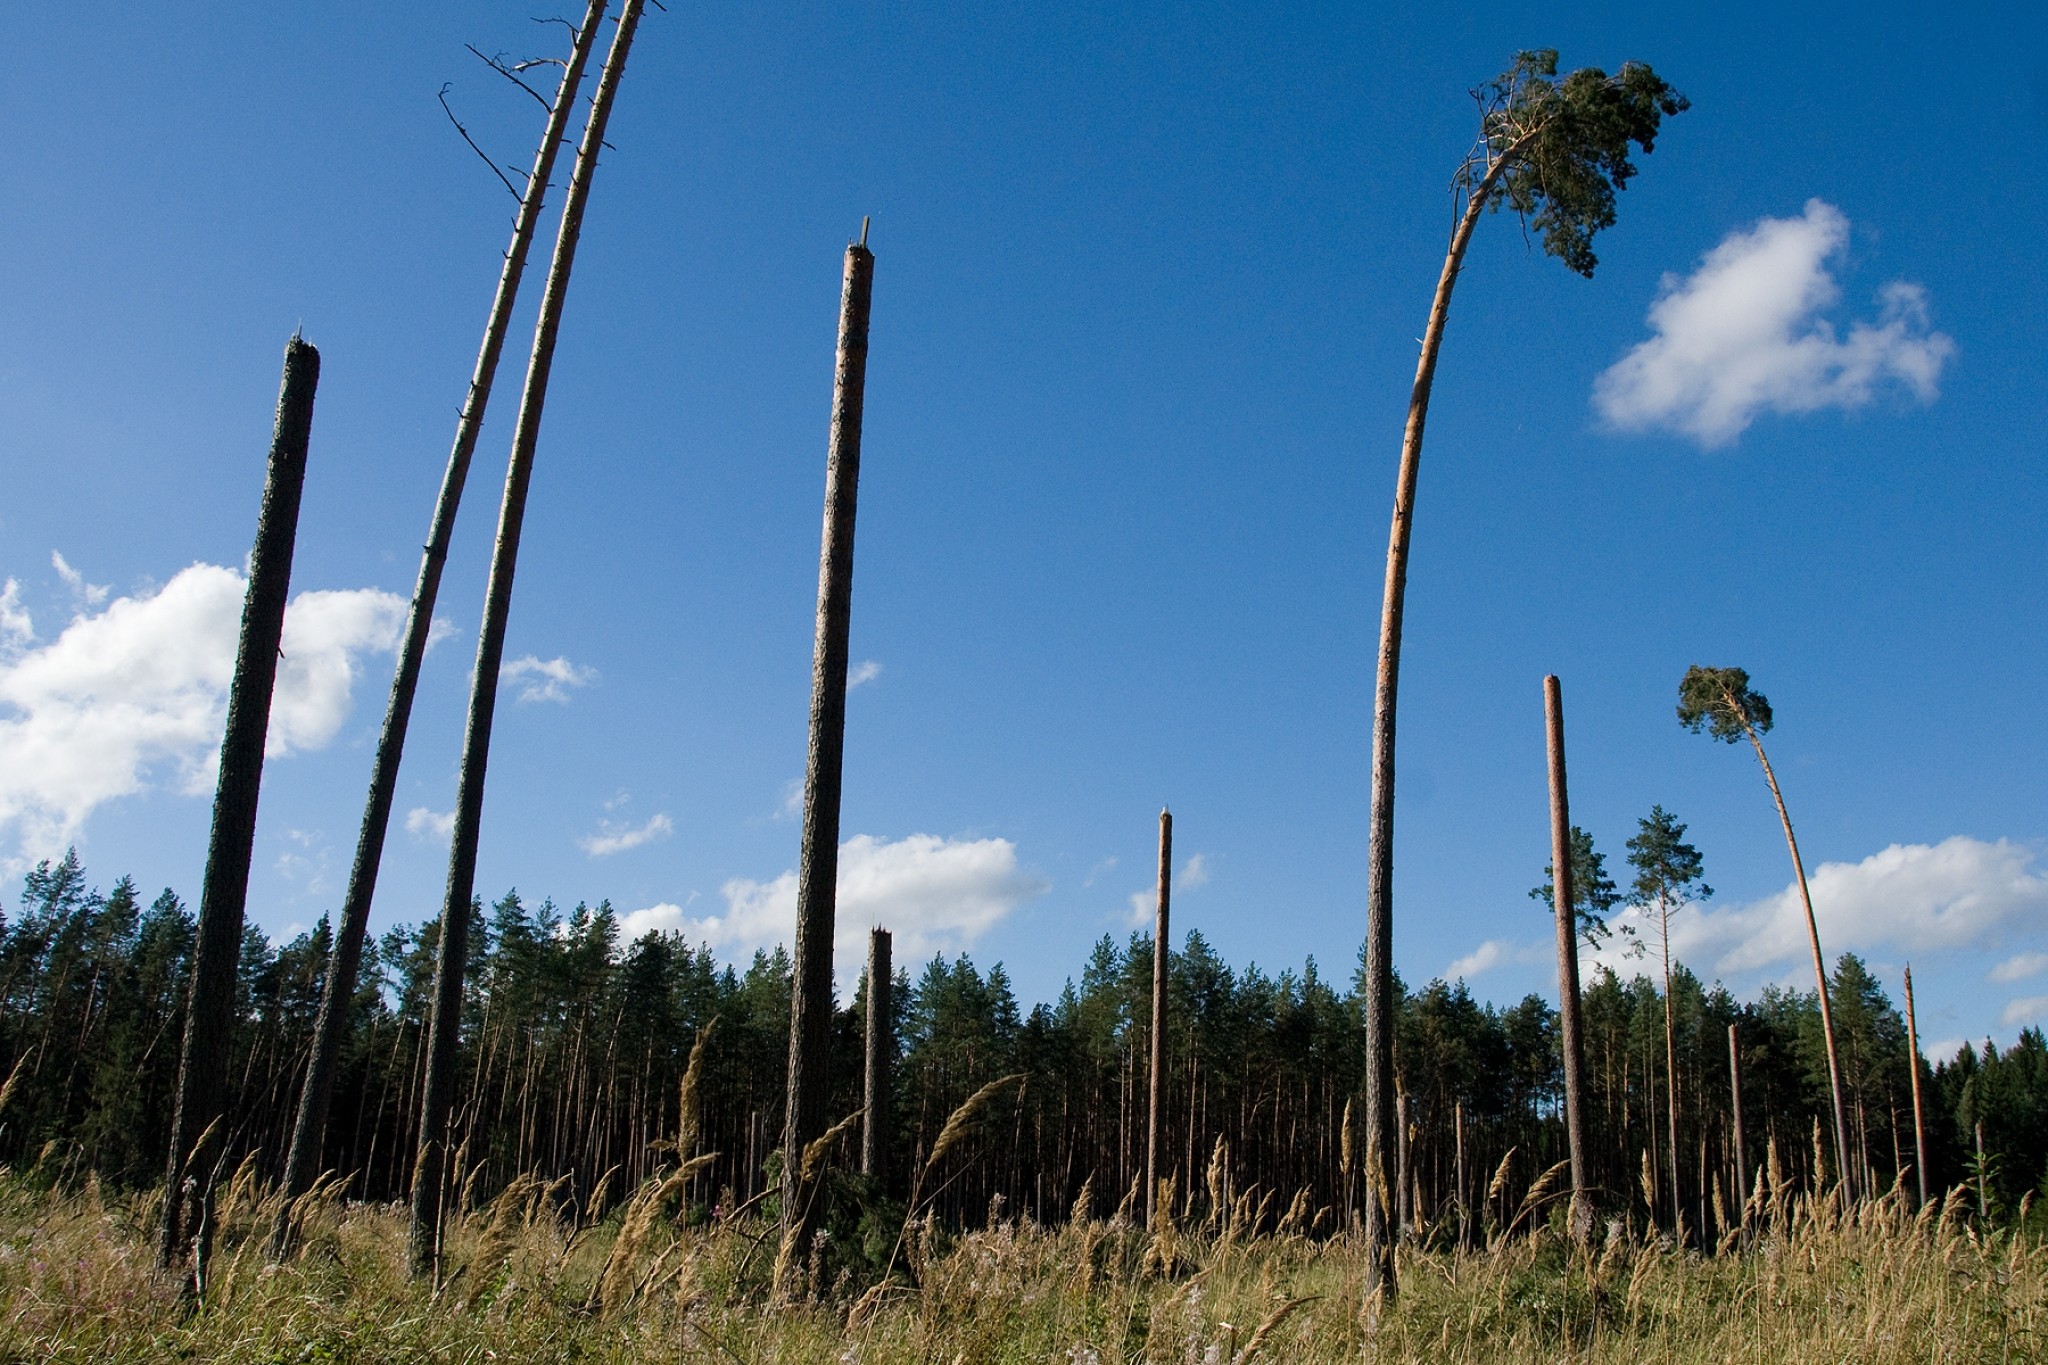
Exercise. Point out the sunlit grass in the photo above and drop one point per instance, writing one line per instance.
(77, 1283)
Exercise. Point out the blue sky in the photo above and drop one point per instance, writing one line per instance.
(1147, 291)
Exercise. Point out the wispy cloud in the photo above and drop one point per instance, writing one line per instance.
(611, 839)
(88, 594)
(1194, 874)
(1744, 335)
(932, 894)
(546, 679)
(134, 695)
(1485, 957)
(866, 671)
(2021, 967)
(17, 628)
(422, 823)
(2025, 1012)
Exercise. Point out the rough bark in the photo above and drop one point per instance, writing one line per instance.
(1735, 1111)
(445, 1021)
(1568, 998)
(337, 996)
(880, 1059)
(810, 1014)
(1919, 1118)
(1379, 884)
(197, 1116)
(1158, 1069)
(1843, 1166)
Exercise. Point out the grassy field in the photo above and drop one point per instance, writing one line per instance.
(77, 1284)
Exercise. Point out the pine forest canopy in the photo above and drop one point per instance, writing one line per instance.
(573, 1044)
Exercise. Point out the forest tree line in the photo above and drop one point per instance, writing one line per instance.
(573, 1042)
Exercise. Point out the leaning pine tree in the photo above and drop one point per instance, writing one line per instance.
(1719, 701)
(1555, 151)
(338, 995)
(445, 1018)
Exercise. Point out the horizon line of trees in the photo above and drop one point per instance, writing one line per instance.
(573, 1043)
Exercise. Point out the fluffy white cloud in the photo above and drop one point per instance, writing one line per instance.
(611, 839)
(135, 695)
(1743, 335)
(866, 671)
(1910, 898)
(422, 823)
(546, 679)
(932, 894)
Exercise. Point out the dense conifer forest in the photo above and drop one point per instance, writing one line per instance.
(574, 1041)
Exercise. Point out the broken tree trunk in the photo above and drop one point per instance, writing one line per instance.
(810, 1012)
(1581, 1218)
(198, 1120)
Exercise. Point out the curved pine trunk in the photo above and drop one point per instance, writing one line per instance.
(337, 996)
(1843, 1170)
(1379, 885)
(423, 1242)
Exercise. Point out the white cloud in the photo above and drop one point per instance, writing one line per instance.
(792, 806)
(610, 839)
(932, 894)
(866, 671)
(135, 696)
(2025, 1012)
(546, 679)
(1910, 898)
(16, 628)
(88, 594)
(1193, 874)
(1485, 957)
(1744, 335)
(422, 823)
(2021, 967)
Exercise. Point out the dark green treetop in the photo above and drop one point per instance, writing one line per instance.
(1594, 894)
(1719, 701)
(1567, 141)
(1666, 866)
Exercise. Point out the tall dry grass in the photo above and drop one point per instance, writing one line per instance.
(1820, 1282)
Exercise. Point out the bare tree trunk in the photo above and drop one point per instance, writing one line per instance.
(1820, 972)
(337, 997)
(1581, 1216)
(1159, 950)
(1379, 874)
(810, 1014)
(1983, 1188)
(197, 1139)
(1913, 1061)
(1464, 1214)
(1671, 1071)
(443, 1031)
(881, 1057)
(1735, 1109)
(1404, 1175)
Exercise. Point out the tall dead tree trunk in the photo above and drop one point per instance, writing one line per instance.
(337, 997)
(810, 1012)
(1735, 1111)
(1671, 1068)
(1913, 1061)
(880, 1058)
(445, 1021)
(1568, 999)
(198, 1120)
(1159, 951)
